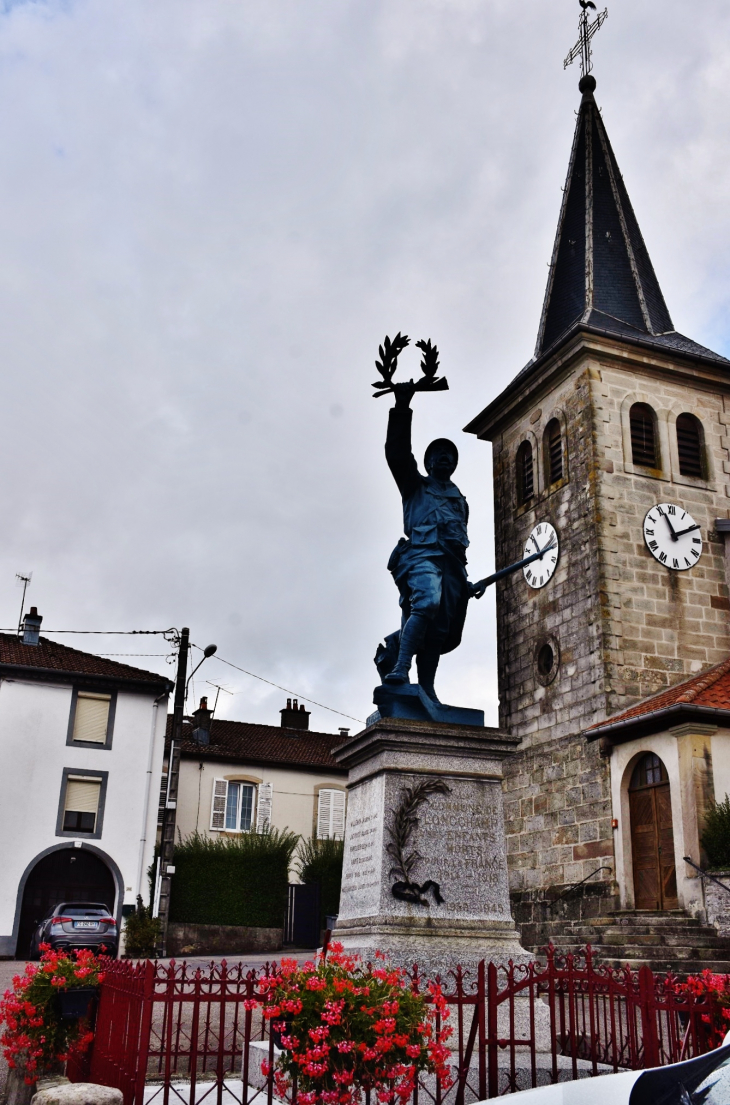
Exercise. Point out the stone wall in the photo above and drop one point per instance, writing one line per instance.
(717, 903)
(186, 939)
(557, 815)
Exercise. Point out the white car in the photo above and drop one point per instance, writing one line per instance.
(701, 1081)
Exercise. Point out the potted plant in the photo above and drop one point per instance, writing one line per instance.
(346, 1027)
(44, 1016)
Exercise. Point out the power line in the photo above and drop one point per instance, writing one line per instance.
(109, 632)
(287, 690)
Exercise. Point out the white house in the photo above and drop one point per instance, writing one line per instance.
(81, 748)
(237, 776)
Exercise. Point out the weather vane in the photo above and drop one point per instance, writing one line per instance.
(586, 31)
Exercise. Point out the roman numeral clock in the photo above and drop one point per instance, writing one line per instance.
(672, 536)
(542, 540)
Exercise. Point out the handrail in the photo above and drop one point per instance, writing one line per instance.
(575, 885)
(706, 874)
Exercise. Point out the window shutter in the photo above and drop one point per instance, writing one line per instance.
(338, 814)
(82, 794)
(91, 719)
(324, 813)
(263, 811)
(218, 807)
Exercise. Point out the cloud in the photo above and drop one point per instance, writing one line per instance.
(210, 215)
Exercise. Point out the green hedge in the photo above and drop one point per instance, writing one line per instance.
(321, 861)
(239, 880)
(716, 836)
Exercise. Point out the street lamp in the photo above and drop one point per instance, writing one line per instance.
(207, 651)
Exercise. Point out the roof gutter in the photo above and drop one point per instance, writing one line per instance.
(644, 724)
(56, 675)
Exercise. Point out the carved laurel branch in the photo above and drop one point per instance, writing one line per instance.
(403, 825)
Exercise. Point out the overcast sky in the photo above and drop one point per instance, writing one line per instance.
(211, 212)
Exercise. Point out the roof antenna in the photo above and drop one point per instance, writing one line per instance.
(25, 580)
(586, 31)
(219, 687)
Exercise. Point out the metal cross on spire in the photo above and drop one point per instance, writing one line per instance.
(586, 30)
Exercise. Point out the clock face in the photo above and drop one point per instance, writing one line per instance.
(673, 537)
(542, 539)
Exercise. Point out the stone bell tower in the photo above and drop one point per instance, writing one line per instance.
(615, 414)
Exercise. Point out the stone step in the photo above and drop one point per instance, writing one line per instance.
(650, 939)
(679, 968)
(649, 954)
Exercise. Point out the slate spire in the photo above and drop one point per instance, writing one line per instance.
(601, 276)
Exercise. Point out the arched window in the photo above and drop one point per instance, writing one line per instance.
(649, 772)
(553, 445)
(689, 445)
(525, 473)
(643, 436)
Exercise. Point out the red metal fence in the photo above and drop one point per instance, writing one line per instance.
(178, 1031)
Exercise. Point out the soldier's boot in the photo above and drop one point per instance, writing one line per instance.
(426, 664)
(411, 636)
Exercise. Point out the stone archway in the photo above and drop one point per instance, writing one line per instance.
(652, 835)
(62, 874)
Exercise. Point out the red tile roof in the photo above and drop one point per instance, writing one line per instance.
(48, 656)
(245, 742)
(709, 690)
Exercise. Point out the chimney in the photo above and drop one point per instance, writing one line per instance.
(294, 716)
(201, 720)
(32, 627)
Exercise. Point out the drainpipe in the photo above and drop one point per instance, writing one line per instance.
(147, 788)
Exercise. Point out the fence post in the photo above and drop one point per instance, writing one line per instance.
(143, 1050)
(647, 998)
(481, 999)
(492, 1045)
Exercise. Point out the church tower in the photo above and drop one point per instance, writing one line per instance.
(616, 435)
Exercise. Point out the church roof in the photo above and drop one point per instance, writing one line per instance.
(601, 278)
(706, 695)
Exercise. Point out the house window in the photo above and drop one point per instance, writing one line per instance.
(649, 772)
(233, 806)
(643, 436)
(92, 716)
(689, 445)
(82, 804)
(331, 814)
(553, 452)
(525, 473)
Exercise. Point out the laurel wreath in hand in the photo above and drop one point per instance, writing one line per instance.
(389, 353)
(404, 824)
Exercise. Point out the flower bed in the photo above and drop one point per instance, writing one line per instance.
(716, 988)
(35, 1038)
(346, 1027)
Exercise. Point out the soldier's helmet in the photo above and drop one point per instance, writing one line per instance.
(440, 443)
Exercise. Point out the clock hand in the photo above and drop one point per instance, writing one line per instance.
(534, 541)
(671, 527)
(681, 532)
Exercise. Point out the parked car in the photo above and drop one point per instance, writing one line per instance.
(72, 925)
(701, 1081)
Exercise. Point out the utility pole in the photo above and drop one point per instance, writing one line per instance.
(167, 845)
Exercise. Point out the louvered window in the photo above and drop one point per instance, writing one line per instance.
(81, 806)
(232, 806)
(643, 436)
(525, 473)
(553, 452)
(91, 717)
(263, 812)
(331, 814)
(689, 445)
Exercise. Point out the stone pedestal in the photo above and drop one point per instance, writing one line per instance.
(458, 841)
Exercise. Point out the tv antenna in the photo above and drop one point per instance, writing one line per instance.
(25, 580)
(219, 687)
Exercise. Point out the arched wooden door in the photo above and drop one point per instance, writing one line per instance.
(652, 836)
